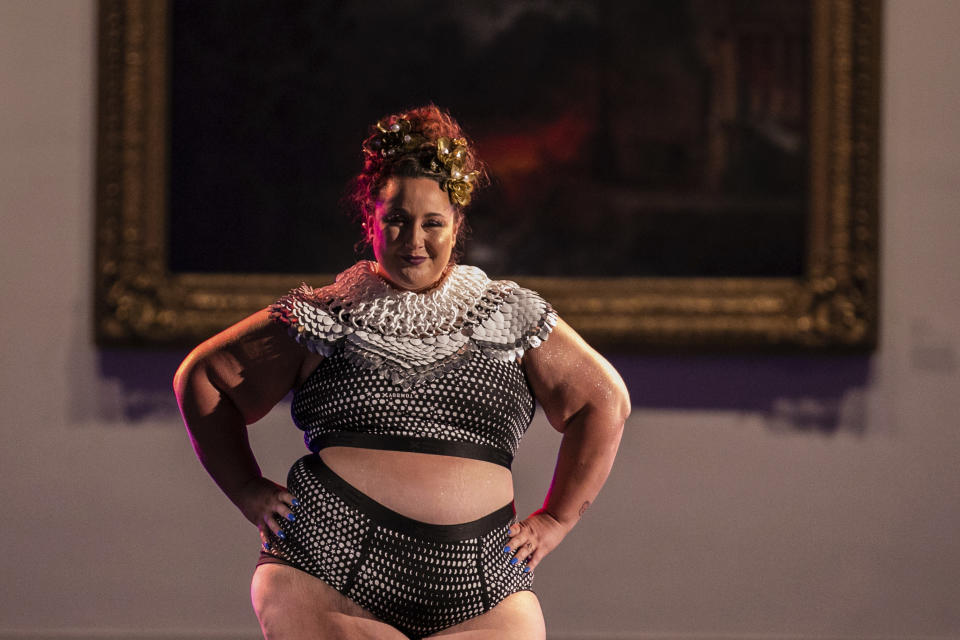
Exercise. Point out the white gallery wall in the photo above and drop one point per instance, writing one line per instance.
(763, 497)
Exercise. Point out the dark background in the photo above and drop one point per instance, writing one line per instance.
(624, 139)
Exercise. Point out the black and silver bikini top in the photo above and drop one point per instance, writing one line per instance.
(435, 372)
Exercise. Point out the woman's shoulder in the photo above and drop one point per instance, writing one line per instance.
(315, 317)
(306, 319)
(512, 319)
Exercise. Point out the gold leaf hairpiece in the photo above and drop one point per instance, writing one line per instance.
(397, 138)
(451, 154)
(394, 138)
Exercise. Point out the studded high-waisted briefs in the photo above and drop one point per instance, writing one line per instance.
(416, 576)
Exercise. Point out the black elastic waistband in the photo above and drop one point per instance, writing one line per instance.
(406, 443)
(397, 521)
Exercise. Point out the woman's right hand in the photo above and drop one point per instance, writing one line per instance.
(267, 505)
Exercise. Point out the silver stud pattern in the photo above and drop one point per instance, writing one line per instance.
(418, 585)
(482, 401)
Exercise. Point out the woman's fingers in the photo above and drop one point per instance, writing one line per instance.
(269, 506)
(264, 537)
(523, 546)
(288, 499)
(525, 551)
(515, 537)
(270, 524)
(520, 543)
(531, 540)
(534, 559)
(279, 513)
(283, 512)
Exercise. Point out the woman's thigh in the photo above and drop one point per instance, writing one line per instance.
(516, 617)
(293, 605)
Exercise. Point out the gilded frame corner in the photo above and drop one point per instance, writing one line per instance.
(832, 307)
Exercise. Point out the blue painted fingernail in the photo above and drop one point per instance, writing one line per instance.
(295, 502)
(266, 546)
(281, 535)
(291, 517)
(509, 532)
(514, 560)
(506, 549)
(526, 569)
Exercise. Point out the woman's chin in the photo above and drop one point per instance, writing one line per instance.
(413, 277)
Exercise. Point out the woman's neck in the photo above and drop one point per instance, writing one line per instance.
(443, 276)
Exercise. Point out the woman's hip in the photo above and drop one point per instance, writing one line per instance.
(412, 574)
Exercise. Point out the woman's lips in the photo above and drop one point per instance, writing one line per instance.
(414, 259)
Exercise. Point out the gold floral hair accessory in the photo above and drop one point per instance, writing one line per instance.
(451, 154)
(394, 138)
(397, 138)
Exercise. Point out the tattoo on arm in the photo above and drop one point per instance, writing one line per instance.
(583, 508)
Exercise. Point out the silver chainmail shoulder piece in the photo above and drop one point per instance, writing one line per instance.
(409, 337)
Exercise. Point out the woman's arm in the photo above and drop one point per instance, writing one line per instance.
(232, 380)
(585, 399)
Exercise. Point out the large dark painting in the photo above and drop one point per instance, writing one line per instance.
(624, 138)
(670, 174)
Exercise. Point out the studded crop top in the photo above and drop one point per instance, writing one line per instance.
(436, 372)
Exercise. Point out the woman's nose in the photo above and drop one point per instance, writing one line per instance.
(413, 237)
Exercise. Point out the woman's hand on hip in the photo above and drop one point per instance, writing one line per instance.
(535, 537)
(267, 505)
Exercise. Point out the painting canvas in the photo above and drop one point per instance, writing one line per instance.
(623, 138)
(691, 175)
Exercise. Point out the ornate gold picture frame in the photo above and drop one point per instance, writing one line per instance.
(832, 307)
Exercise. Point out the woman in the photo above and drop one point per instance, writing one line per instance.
(414, 380)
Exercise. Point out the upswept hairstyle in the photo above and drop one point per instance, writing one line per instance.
(430, 123)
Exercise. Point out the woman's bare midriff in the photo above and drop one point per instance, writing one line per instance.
(430, 488)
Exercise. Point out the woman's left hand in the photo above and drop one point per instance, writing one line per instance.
(535, 537)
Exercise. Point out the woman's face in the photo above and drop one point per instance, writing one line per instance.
(413, 231)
